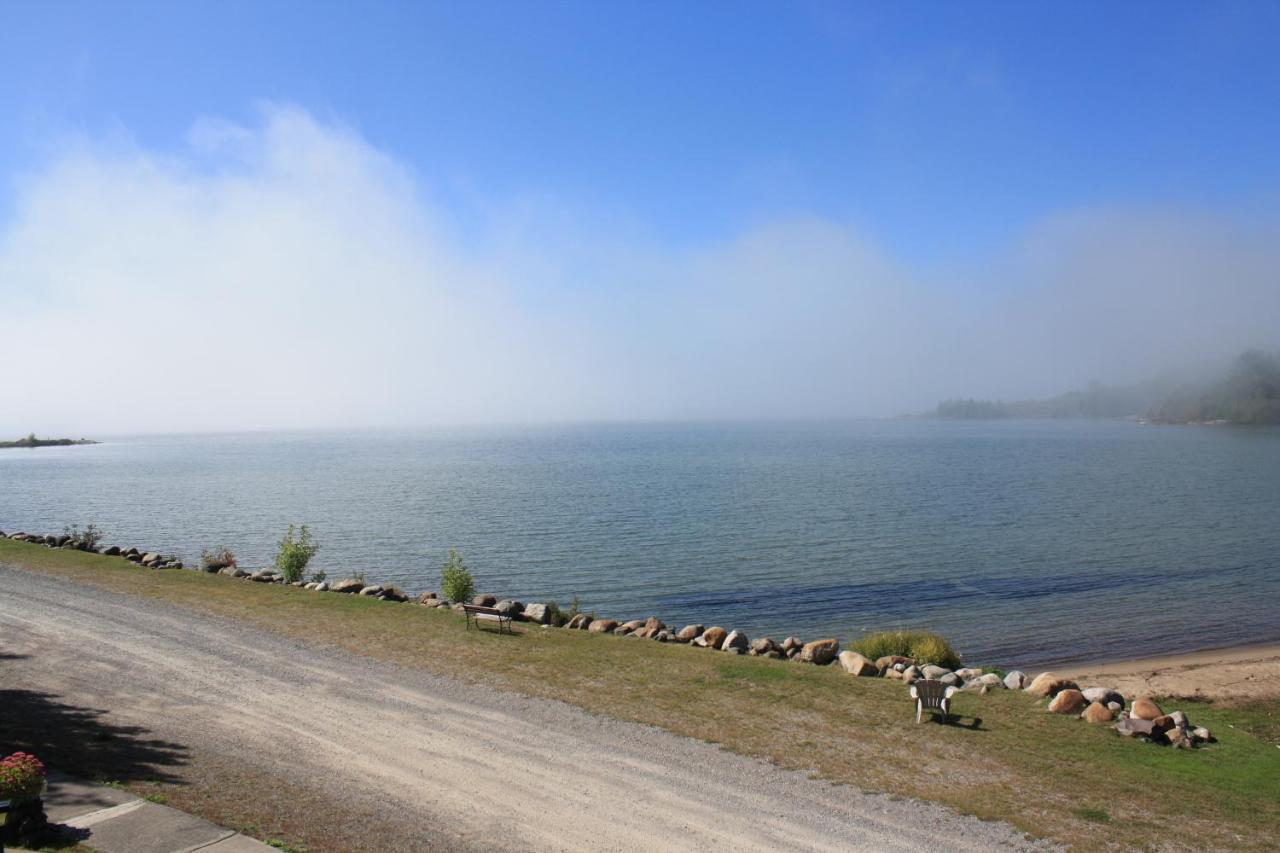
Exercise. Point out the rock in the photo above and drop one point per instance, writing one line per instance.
(296, 583)
(485, 600)
(735, 642)
(507, 607)
(932, 671)
(892, 673)
(112, 551)
(628, 627)
(1133, 727)
(233, 571)
(1179, 719)
(654, 624)
(1047, 684)
(791, 643)
(968, 673)
(126, 552)
(991, 680)
(371, 590)
(1115, 707)
(322, 586)
(150, 557)
(688, 633)
(602, 626)
(393, 593)
(889, 662)
(579, 622)
(1105, 695)
(856, 664)
(712, 638)
(820, 652)
(350, 586)
(1015, 680)
(458, 608)
(952, 680)
(537, 613)
(428, 598)
(1096, 713)
(262, 576)
(762, 646)
(1163, 723)
(1145, 708)
(133, 558)
(1202, 735)
(1178, 736)
(911, 673)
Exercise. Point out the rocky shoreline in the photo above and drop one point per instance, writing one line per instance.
(1143, 718)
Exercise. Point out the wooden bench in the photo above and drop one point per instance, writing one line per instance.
(475, 613)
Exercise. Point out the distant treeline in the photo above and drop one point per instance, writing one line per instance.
(1248, 394)
(32, 441)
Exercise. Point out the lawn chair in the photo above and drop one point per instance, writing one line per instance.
(932, 694)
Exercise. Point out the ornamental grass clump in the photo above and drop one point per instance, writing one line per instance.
(456, 581)
(296, 550)
(21, 777)
(923, 646)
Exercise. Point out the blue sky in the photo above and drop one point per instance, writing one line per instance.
(540, 211)
(942, 129)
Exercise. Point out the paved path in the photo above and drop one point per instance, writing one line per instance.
(502, 771)
(114, 821)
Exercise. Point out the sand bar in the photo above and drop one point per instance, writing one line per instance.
(1235, 674)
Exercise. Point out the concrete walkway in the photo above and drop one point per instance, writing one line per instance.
(113, 821)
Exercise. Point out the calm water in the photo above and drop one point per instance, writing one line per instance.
(1022, 541)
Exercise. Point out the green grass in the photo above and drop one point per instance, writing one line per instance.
(1006, 759)
(922, 646)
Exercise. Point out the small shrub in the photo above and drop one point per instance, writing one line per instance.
(556, 617)
(221, 557)
(316, 577)
(456, 581)
(84, 540)
(296, 550)
(923, 646)
(21, 777)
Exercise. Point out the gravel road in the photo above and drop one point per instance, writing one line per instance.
(501, 771)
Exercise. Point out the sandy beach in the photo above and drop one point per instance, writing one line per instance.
(1236, 674)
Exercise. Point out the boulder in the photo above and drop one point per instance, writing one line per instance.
(1134, 727)
(791, 643)
(991, 680)
(537, 613)
(262, 576)
(889, 662)
(629, 627)
(150, 557)
(712, 638)
(1105, 695)
(233, 571)
(664, 636)
(507, 607)
(393, 593)
(1179, 719)
(1145, 708)
(1115, 707)
(953, 680)
(911, 673)
(968, 673)
(1163, 723)
(322, 586)
(371, 591)
(1202, 735)
(602, 626)
(688, 633)
(820, 652)
(856, 664)
(654, 624)
(1096, 713)
(133, 558)
(762, 646)
(350, 586)
(735, 642)
(1178, 736)
(579, 622)
(428, 598)
(112, 551)
(932, 671)
(1048, 684)
(485, 600)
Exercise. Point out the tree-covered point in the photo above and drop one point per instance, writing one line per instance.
(31, 441)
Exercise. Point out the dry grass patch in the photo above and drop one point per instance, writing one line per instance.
(1006, 759)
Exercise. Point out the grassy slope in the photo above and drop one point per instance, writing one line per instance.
(1051, 775)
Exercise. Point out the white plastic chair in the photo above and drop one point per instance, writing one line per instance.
(932, 694)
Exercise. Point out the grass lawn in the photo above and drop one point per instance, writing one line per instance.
(1006, 759)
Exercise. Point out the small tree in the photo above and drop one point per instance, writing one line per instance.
(296, 550)
(455, 579)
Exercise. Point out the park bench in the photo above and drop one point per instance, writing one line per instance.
(475, 613)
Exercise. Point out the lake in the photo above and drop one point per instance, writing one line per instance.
(1022, 541)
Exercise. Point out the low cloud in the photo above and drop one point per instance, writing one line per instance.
(292, 275)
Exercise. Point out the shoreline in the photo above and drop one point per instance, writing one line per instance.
(1233, 673)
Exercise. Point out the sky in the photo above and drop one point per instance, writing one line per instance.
(282, 215)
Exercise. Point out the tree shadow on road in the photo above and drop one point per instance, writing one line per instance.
(82, 742)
